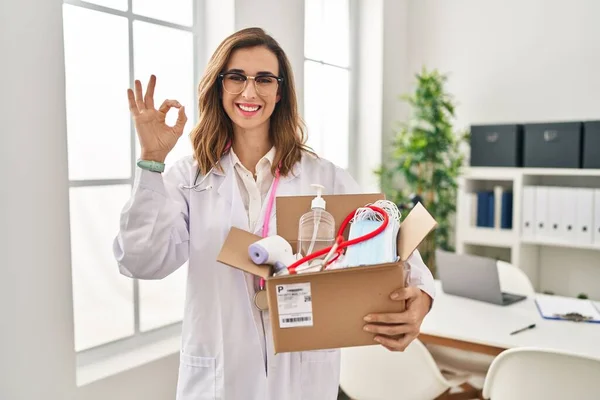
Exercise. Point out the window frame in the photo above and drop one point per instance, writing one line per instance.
(352, 68)
(139, 339)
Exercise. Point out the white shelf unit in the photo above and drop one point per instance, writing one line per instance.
(489, 236)
(564, 268)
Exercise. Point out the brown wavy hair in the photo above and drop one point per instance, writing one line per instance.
(215, 129)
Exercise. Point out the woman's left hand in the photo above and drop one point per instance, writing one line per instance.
(400, 329)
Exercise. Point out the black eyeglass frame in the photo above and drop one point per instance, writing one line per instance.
(246, 77)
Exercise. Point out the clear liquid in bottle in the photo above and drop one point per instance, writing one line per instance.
(316, 229)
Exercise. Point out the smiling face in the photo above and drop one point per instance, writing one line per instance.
(251, 109)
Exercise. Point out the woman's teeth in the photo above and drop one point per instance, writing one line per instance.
(247, 108)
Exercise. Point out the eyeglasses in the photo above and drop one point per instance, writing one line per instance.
(235, 83)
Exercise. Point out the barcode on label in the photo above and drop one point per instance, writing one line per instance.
(297, 319)
(294, 303)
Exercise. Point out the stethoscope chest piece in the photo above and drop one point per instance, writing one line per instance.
(260, 300)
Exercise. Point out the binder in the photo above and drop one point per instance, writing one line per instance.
(491, 210)
(506, 210)
(482, 209)
(558, 307)
(541, 213)
(554, 213)
(569, 215)
(596, 212)
(528, 217)
(584, 211)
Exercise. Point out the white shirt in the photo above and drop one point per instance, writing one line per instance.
(254, 191)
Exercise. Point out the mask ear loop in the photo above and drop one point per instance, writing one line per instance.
(390, 208)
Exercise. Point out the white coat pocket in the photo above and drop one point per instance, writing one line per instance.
(320, 374)
(197, 378)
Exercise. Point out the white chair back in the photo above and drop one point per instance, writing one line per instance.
(375, 373)
(514, 280)
(529, 373)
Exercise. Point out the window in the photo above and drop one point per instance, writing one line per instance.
(108, 44)
(327, 78)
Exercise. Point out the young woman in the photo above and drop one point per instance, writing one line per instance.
(248, 147)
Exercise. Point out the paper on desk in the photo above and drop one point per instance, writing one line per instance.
(550, 305)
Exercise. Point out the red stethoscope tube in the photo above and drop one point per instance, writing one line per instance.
(341, 244)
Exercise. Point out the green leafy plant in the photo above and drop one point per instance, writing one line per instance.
(427, 159)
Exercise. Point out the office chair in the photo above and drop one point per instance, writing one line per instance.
(375, 373)
(531, 373)
(513, 279)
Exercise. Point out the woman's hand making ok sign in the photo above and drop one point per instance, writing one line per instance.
(157, 139)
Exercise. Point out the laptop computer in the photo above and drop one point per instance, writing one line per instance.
(472, 276)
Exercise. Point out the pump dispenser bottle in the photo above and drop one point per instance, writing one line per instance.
(316, 229)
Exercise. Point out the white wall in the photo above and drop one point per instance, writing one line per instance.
(367, 116)
(511, 60)
(395, 68)
(153, 381)
(515, 61)
(284, 20)
(218, 24)
(36, 339)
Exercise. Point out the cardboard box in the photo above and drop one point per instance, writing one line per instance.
(329, 306)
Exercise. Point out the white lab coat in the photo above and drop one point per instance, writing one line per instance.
(227, 347)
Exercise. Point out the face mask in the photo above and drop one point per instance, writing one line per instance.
(377, 250)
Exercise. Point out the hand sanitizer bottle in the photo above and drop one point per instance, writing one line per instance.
(316, 229)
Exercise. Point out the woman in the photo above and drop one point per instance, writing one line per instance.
(249, 142)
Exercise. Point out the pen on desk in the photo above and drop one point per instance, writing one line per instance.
(523, 329)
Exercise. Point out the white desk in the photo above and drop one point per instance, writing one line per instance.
(477, 326)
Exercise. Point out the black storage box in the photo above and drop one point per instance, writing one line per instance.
(591, 144)
(496, 145)
(553, 145)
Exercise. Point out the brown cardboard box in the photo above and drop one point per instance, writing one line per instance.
(329, 306)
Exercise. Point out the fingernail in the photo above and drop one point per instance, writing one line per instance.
(367, 318)
(367, 328)
(395, 296)
(377, 339)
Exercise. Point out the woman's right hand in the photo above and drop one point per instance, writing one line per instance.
(157, 139)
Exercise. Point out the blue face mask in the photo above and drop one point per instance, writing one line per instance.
(378, 250)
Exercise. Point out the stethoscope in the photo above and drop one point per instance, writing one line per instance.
(197, 184)
(260, 297)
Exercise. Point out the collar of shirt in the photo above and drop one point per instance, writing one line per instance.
(263, 165)
(254, 191)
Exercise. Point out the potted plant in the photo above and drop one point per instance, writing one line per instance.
(426, 160)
